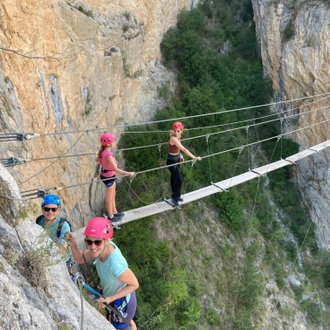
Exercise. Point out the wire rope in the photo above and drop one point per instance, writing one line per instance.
(206, 156)
(232, 123)
(271, 138)
(164, 143)
(44, 169)
(189, 117)
(78, 281)
(208, 152)
(202, 115)
(248, 148)
(163, 179)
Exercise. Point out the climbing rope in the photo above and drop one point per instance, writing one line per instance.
(208, 152)
(162, 179)
(189, 175)
(281, 130)
(79, 281)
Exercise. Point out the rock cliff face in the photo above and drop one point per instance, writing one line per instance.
(79, 68)
(295, 49)
(71, 70)
(36, 291)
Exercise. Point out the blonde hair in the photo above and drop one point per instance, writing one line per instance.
(172, 132)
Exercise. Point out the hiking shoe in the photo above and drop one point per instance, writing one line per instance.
(119, 214)
(175, 202)
(115, 218)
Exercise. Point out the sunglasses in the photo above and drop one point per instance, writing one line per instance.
(97, 242)
(53, 209)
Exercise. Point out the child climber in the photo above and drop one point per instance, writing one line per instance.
(108, 173)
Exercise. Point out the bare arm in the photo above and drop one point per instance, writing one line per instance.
(131, 282)
(176, 142)
(77, 254)
(116, 169)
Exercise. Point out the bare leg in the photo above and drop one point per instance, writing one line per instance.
(133, 325)
(109, 199)
(114, 198)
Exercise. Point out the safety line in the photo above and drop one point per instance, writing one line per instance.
(188, 117)
(241, 121)
(268, 139)
(253, 125)
(53, 162)
(206, 156)
(19, 160)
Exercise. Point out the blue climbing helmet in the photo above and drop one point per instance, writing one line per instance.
(51, 199)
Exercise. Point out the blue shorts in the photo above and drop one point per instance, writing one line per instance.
(127, 309)
(108, 181)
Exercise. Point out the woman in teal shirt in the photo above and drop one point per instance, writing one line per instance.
(118, 282)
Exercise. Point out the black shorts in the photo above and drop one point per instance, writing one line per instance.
(108, 181)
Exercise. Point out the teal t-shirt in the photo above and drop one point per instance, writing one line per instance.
(52, 231)
(110, 270)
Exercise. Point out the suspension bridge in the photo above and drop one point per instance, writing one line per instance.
(217, 187)
(213, 188)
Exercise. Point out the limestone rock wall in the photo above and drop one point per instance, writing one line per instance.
(294, 38)
(69, 70)
(36, 291)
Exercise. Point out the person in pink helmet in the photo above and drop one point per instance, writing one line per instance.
(175, 157)
(118, 282)
(108, 173)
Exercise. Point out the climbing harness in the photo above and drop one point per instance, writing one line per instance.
(78, 279)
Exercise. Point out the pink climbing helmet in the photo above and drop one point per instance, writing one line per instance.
(100, 228)
(106, 139)
(177, 125)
